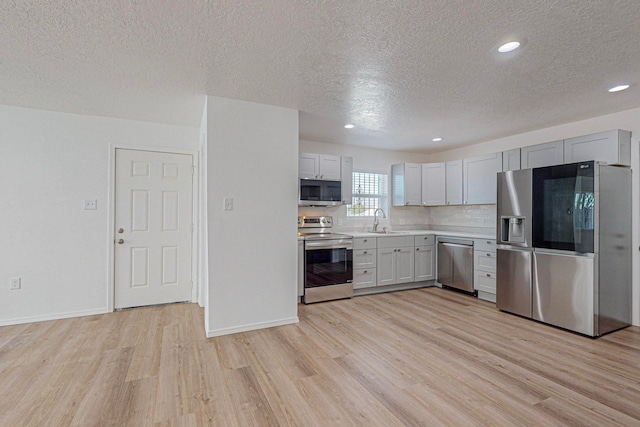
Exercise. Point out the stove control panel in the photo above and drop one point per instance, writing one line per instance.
(315, 222)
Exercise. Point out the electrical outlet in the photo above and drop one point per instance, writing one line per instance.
(90, 205)
(14, 283)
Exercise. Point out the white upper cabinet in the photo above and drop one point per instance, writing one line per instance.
(453, 182)
(434, 190)
(479, 174)
(308, 165)
(346, 173)
(511, 160)
(406, 179)
(540, 155)
(613, 147)
(318, 166)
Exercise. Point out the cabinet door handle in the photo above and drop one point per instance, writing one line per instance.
(417, 249)
(364, 252)
(364, 272)
(488, 275)
(488, 254)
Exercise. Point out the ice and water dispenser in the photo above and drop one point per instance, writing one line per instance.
(513, 229)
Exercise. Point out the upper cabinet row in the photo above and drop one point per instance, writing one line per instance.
(612, 147)
(467, 181)
(473, 181)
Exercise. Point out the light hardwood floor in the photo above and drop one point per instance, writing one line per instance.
(425, 357)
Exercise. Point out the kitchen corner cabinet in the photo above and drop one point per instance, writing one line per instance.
(346, 176)
(613, 147)
(453, 182)
(480, 179)
(318, 166)
(434, 190)
(395, 260)
(406, 184)
(511, 160)
(425, 257)
(540, 155)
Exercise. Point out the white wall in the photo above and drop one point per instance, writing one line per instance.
(627, 120)
(369, 160)
(49, 163)
(252, 157)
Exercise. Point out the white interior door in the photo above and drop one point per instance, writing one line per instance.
(153, 214)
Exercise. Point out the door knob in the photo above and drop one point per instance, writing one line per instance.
(120, 230)
(120, 241)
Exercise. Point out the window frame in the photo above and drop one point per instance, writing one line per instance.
(381, 197)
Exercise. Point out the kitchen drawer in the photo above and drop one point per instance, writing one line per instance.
(364, 243)
(364, 258)
(485, 261)
(395, 242)
(487, 245)
(423, 240)
(485, 282)
(364, 278)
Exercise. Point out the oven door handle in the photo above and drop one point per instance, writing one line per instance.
(328, 244)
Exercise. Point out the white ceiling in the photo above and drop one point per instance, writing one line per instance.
(402, 71)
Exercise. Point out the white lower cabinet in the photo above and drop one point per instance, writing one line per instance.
(364, 278)
(386, 266)
(395, 265)
(484, 268)
(364, 262)
(395, 260)
(425, 258)
(364, 268)
(424, 263)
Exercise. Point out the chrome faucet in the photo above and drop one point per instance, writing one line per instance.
(375, 218)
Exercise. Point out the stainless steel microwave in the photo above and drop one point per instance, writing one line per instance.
(315, 192)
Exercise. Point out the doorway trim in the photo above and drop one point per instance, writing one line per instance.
(111, 212)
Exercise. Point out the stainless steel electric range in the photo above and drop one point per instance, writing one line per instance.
(328, 260)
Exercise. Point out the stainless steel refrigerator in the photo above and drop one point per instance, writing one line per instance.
(564, 246)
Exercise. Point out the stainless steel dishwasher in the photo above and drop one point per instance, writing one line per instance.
(455, 264)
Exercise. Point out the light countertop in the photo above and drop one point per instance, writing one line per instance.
(423, 233)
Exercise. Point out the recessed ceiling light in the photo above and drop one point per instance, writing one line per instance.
(349, 126)
(509, 47)
(619, 88)
(437, 139)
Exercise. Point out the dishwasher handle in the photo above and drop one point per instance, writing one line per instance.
(455, 245)
(462, 242)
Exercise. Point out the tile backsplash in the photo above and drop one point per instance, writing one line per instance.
(470, 218)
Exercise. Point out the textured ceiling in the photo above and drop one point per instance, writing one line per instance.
(402, 71)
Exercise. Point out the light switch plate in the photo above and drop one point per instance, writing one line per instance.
(90, 205)
(228, 204)
(14, 283)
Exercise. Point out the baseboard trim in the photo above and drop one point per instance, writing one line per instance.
(251, 327)
(56, 316)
